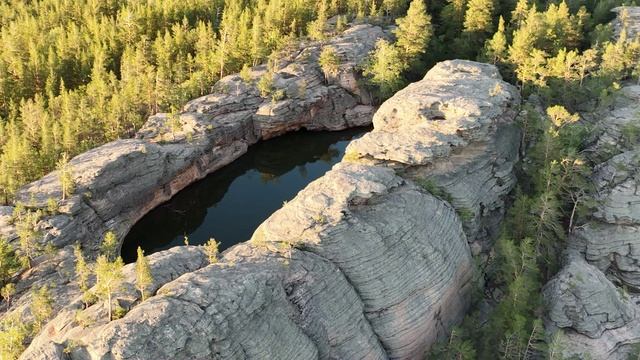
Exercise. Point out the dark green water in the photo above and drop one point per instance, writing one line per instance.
(229, 204)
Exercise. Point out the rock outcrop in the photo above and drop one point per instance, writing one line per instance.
(363, 263)
(454, 134)
(119, 182)
(588, 316)
(593, 300)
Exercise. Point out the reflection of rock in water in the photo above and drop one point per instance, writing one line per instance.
(266, 177)
(187, 212)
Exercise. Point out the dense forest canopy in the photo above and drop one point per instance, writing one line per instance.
(77, 74)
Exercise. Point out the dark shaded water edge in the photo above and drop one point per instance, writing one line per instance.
(229, 204)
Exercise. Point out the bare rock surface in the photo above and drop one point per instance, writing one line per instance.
(351, 268)
(582, 298)
(453, 131)
(593, 317)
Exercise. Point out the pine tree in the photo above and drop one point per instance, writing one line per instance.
(519, 14)
(258, 49)
(109, 246)
(588, 63)
(82, 270)
(496, 47)
(265, 84)
(144, 279)
(41, 306)
(65, 176)
(385, 68)
(109, 279)
(479, 16)
(329, 61)
(8, 261)
(452, 18)
(7, 293)
(26, 228)
(394, 7)
(316, 28)
(212, 250)
(414, 31)
(13, 333)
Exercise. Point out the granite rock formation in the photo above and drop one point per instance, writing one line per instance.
(118, 183)
(366, 262)
(454, 134)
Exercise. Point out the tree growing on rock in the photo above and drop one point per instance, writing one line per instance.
(83, 271)
(144, 279)
(329, 61)
(7, 293)
(13, 333)
(65, 176)
(385, 68)
(26, 227)
(41, 307)
(109, 246)
(109, 278)
(212, 250)
(9, 263)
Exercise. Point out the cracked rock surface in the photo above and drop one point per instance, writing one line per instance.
(454, 131)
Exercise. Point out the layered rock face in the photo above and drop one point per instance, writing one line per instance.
(117, 183)
(364, 263)
(453, 133)
(593, 299)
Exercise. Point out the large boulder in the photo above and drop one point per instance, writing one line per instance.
(580, 297)
(592, 302)
(628, 18)
(588, 317)
(610, 240)
(454, 133)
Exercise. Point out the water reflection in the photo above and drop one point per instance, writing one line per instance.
(230, 203)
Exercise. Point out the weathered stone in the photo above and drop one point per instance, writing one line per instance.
(595, 318)
(610, 240)
(165, 267)
(609, 124)
(370, 224)
(363, 263)
(589, 303)
(348, 269)
(580, 297)
(118, 183)
(453, 130)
